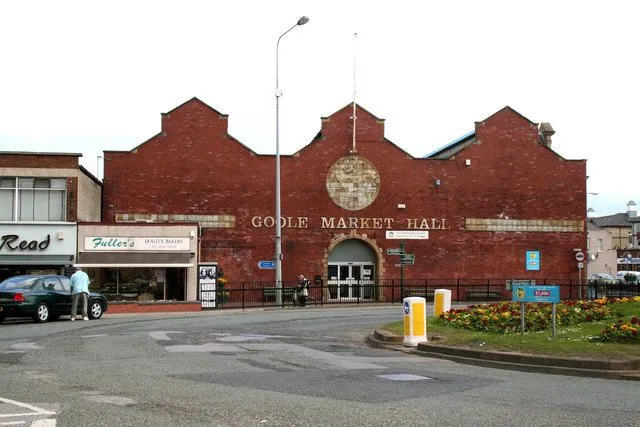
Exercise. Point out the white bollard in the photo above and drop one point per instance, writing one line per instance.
(415, 321)
(441, 301)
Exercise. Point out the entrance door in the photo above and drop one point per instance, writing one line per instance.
(350, 281)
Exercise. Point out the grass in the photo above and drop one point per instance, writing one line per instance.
(570, 341)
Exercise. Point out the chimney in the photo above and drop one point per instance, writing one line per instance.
(631, 209)
(546, 132)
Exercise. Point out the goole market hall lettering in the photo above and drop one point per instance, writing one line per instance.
(352, 222)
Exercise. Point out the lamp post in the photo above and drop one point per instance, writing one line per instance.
(98, 166)
(278, 256)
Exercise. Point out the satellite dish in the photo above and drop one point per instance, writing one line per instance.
(592, 257)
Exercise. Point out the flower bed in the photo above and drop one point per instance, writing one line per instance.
(504, 317)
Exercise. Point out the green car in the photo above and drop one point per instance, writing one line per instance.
(43, 298)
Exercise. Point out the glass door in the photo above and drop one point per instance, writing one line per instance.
(350, 281)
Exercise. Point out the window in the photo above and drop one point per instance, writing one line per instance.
(32, 199)
(600, 245)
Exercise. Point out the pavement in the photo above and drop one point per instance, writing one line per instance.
(625, 369)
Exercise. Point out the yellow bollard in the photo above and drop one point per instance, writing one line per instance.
(441, 301)
(415, 321)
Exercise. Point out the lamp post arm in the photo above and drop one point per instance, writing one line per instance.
(277, 56)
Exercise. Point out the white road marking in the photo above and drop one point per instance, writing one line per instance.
(241, 338)
(403, 377)
(96, 335)
(26, 346)
(44, 423)
(13, 423)
(162, 335)
(204, 348)
(35, 409)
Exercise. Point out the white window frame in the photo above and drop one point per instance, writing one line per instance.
(17, 190)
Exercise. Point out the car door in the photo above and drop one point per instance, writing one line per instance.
(65, 294)
(55, 295)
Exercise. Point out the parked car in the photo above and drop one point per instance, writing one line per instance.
(43, 298)
(621, 279)
(602, 279)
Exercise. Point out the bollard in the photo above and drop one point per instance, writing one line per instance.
(415, 321)
(441, 301)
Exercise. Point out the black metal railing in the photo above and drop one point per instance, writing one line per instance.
(264, 294)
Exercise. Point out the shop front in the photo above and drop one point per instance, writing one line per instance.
(140, 263)
(47, 248)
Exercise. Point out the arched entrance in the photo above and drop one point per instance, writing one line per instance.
(351, 271)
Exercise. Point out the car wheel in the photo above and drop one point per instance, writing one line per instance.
(95, 310)
(42, 313)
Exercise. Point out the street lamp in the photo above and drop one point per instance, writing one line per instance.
(98, 166)
(278, 256)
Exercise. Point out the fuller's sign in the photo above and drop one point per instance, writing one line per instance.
(125, 244)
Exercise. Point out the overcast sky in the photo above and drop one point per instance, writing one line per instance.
(87, 76)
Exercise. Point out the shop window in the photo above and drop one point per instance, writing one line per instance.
(32, 199)
(138, 284)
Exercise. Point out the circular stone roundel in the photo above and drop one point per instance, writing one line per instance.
(353, 183)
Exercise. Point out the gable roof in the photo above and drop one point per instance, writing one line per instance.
(350, 106)
(507, 108)
(615, 220)
(194, 99)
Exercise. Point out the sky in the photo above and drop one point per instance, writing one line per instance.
(93, 76)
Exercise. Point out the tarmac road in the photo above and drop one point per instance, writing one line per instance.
(306, 366)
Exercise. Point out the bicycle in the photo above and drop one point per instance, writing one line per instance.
(296, 300)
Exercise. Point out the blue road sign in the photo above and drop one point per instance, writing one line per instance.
(267, 265)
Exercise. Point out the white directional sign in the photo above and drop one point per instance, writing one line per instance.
(394, 251)
(407, 234)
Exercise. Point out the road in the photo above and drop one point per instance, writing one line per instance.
(279, 367)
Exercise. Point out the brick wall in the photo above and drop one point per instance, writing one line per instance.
(194, 167)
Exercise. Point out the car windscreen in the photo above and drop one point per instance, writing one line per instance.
(18, 283)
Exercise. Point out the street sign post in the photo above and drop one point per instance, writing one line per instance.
(267, 265)
(407, 259)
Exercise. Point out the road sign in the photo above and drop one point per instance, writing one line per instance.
(579, 256)
(399, 265)
(408, 262)
(395, 251)
(581, 265)
(267, 265)
(407, 258)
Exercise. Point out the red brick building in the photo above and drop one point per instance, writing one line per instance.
(475, 209)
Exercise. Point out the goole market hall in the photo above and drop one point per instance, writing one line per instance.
(496, 204)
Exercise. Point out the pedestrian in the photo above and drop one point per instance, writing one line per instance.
(302, 291)
(79, 289)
